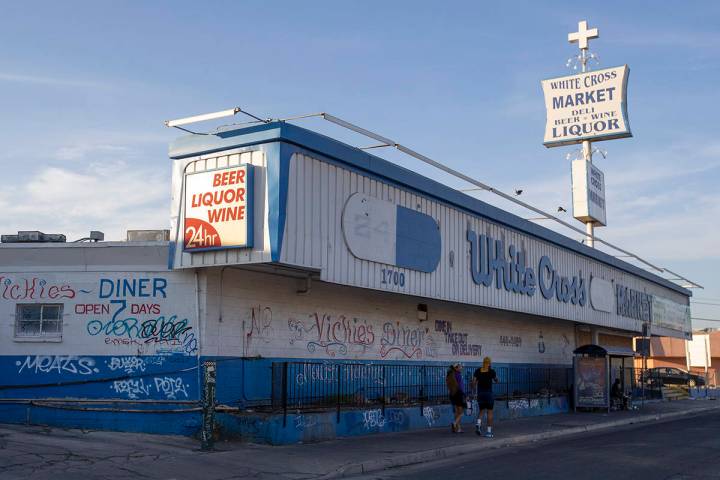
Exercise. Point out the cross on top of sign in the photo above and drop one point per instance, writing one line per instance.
(582, 36)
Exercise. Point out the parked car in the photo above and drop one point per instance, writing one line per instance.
(674, 376)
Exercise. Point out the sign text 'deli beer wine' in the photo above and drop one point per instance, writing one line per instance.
(218, 209)
(586, 106)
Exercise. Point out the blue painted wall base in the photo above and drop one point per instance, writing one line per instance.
(109, 393)
(702, 392)
(318, 426)
(187, 424)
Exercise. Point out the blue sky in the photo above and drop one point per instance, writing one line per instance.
(85, 87)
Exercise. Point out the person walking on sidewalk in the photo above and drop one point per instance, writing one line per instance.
(483, 379)
(456, 390)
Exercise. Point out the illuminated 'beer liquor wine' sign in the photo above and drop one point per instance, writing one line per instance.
(218, 209)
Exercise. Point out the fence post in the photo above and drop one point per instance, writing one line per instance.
(507, 387)
(384, 381)
(208, 405)
(284, 391)
(422, 388)
(643, 381)
(338, 391)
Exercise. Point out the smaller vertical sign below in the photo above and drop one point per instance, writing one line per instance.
(219, 208)
(588, 189)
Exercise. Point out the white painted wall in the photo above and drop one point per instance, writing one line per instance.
(263, 315)
(97, 318)
(699, 351)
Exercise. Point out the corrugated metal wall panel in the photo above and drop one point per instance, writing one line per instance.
(314, 238)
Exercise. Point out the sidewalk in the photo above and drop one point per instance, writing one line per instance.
(31, 452)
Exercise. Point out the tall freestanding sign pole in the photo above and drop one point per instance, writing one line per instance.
(582, 38)
(581, 109)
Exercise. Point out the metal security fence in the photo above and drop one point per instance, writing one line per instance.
(640, 384)
(520, 382)
(317, 385)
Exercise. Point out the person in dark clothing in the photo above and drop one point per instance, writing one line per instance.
(483, 379)
(618, 396)
(456, 390)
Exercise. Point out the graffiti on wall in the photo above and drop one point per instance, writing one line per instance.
(137, 314)
(260, 326)
(34, 289)
(373, 419)
(344, 335)
(131, 365)
(565, 345)
(334, 335)
(130, 377)
(430, 415)
(59, 364)
(510, 341)
(340, 335)
(408, 341)
(303, 421)
(170, 388)
(541, 343)
(458, 340)
(172, 333)
(519, 404)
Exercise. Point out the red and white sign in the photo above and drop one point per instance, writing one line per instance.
(218, 208)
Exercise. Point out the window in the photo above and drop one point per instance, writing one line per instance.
(38, 321)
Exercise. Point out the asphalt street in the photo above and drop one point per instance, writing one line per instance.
(687, 448)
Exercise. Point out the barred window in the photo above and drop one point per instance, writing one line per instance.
(38, 320)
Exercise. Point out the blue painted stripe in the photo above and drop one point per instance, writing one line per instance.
(171, 252)
(418, 242)
(354, 158)
(278, 174)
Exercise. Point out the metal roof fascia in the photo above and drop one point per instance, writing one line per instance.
(194, 145)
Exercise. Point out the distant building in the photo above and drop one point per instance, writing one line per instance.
(700, 355)
(704, 354)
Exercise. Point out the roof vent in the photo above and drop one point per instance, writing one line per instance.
(95, 236)
(148, 235)
(33, 236)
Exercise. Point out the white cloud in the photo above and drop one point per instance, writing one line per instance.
(49, 81)
(82, 150)
(111, 197)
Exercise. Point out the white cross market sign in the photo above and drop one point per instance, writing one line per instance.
(586, 106)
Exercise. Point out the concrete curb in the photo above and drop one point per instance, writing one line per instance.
(404, 460)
